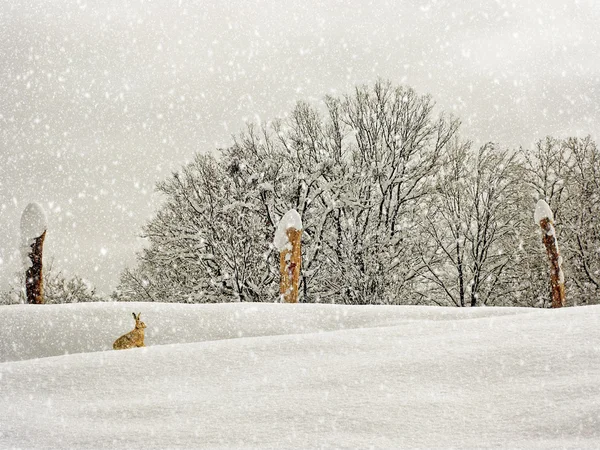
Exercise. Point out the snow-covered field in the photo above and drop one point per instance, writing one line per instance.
(299, 376)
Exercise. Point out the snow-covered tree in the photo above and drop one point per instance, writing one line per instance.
(357, 175)
(472, 227)
(547, 170)
(395, 147)
(582, 220)
(566, 174)
(207, 242)
(395, 209)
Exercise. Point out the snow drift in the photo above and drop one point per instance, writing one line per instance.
(299, 376)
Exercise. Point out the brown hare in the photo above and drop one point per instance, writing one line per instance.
(135, 338)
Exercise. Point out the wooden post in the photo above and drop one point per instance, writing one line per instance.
(290, 260)
(557, 279)
(34, 281)
(287, 240)
(33, 233)
(545, 218)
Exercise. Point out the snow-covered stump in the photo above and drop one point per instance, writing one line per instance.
(287, 240)
(544, 217)
(33, 234)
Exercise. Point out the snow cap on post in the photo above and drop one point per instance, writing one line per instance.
(33, 225)
(291, 219)
(33, 222)
(542, 211)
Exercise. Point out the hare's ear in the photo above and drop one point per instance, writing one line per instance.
(134, 316)
(139, 314)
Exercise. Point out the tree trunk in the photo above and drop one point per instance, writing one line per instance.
(473, 299)
(34, 283)
(461, 281)
(475, 285)
(557, 281)
(289, 267)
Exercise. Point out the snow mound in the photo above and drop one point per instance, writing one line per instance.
(542, 211)
(291, 219)
(336, 377)
(38, 331)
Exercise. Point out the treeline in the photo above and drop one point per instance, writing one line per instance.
(397, 209)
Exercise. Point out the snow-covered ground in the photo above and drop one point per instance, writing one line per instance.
(299, 376)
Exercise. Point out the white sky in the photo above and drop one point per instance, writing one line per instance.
(99, 100)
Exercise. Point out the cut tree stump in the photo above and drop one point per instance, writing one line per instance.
(544, 217)
(289, 266)
(34, 282)
(557, 281)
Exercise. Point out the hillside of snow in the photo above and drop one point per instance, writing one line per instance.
(299, 376)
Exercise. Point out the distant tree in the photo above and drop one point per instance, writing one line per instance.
(207, 243)
(473, 227)
(395, 150)
(357, 175)
(582, 219)
(566, 174)
(547, 171)
(395, 209)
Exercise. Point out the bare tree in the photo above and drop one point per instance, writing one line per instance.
(395, 149)
(547, 171)
(206, 243)
(472, 225)
(566, 173)
(582, 219)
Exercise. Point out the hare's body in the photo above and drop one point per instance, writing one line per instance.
(135, 338)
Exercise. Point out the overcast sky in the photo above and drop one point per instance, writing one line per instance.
(99, 100)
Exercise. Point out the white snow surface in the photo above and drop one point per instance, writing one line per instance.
(290, 219)
(542, 211)
(299, 376)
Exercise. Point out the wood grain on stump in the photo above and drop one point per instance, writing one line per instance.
(557, 282)
(289, 267)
